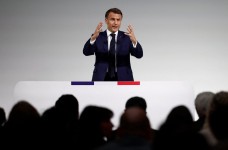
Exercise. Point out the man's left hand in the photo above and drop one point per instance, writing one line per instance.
(131, 34)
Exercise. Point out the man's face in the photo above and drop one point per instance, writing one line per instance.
(113, 21)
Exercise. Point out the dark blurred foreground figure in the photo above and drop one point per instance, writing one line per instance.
(2, 122)
(139, 102)
(218, 119)
(95, 127)
(2, 116)
(136, 101)
(178, 133)
(133, 132)
(23, 127)
(60, 123)
(202, 104)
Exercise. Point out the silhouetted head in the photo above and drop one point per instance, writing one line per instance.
(202, 103)
(180, 115)
(136, 102)
(68, 106)
(218, 115)
(134, 122)
(22, 113)
(96, 120)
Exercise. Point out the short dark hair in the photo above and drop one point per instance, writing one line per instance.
(114, 10)
(136, 101)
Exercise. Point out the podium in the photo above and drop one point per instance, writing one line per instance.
(161, 96)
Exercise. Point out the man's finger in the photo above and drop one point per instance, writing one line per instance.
(127, 33)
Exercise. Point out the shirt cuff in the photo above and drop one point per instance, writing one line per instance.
(92, 42)
(134, 45)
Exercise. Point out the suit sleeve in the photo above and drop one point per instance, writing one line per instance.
(89, 49)
(138, 51)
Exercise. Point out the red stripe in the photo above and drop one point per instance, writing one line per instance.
(128, 83)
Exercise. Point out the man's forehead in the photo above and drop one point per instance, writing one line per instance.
(114, 15)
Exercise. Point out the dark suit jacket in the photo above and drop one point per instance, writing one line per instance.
(123, 51)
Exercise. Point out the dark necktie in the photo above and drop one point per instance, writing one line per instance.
(111, 69)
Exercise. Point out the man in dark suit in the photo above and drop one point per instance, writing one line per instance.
(112, 49)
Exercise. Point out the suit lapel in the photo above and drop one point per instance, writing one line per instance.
(104, 40)
(119, 40)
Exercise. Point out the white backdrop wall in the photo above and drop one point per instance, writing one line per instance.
(183, 40)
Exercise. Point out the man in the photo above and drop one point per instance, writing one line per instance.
(112, 49)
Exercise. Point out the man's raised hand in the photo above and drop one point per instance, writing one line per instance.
(131, 34)
(97, 31)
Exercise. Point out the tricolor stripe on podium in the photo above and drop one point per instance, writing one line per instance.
(105, 83)
(82, 83)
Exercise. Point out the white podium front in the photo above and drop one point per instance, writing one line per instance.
(161, 96)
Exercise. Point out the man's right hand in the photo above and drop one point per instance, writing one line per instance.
(97, 31)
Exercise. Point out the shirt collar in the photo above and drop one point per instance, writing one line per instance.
(109, 32)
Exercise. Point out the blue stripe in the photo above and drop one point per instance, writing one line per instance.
(82, 83)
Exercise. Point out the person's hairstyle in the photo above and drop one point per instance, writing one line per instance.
(23, 114)
(202, 103)
(179, 115)
(95, 114)
(67, 102)
(136, 101)
(114, 10)
(67, 107)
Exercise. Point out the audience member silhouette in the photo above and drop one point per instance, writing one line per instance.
(218, 115)
(60, 123)
(202, 104)
(2, 121)
(133, 132)
(2, 116)
(95, 127)
(218, 119)
(23, 127)
(177, 132)
(139, 102)
(136, 101)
